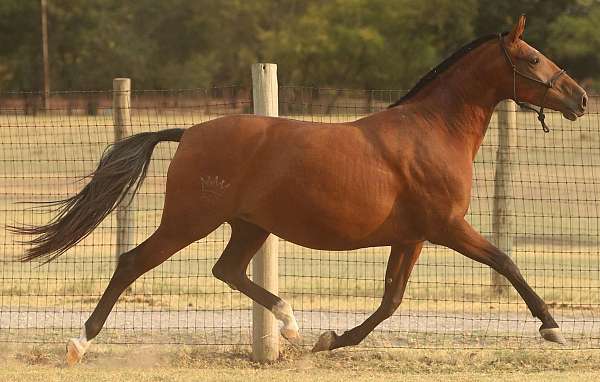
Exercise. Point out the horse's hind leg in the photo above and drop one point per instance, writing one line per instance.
(245, 241)
(161, 245)
(400, 264)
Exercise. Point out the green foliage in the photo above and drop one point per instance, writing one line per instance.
(576, 41)
(20, 49)
(344, 43)
(369, 43)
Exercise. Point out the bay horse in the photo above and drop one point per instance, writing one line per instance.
(395, 178)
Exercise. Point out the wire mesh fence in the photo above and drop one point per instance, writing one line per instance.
(450, 300)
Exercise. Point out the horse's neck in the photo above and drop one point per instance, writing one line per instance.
(466, 119)
(462, 102)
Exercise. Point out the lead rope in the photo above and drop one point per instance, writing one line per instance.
(541, 116)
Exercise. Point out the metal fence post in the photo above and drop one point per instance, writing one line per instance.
(265, 336)
(503, 218)
(122, 125)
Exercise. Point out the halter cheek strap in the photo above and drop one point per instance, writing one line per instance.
(549, 84)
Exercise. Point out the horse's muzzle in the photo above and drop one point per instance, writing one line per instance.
(576, 108)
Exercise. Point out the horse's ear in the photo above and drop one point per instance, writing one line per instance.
(517, 31)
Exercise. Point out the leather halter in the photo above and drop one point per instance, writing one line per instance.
(549, 84)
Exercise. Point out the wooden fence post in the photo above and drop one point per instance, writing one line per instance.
(122, 125)
(265, 336)
(503, 218)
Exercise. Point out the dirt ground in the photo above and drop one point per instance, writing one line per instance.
(167, 363)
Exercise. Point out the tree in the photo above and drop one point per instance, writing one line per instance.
(574, 41)
(369, 43)
(20, 46)
(337, 43)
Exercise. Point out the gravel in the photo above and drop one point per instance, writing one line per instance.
(417, 329)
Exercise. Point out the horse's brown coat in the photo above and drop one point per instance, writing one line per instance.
(397, 177)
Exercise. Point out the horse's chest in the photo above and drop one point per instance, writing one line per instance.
(440, 192)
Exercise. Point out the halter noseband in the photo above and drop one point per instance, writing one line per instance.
(547, 84)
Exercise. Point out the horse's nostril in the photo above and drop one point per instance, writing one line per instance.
(584, 100)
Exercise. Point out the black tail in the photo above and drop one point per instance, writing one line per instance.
(121, 171)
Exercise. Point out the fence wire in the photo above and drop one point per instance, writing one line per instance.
(449, 302)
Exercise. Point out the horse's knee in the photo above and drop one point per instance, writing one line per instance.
(507, 267)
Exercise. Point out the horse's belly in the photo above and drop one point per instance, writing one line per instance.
(324, 220)
(332, 240)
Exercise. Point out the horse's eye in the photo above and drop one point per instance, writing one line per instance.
(535, 60)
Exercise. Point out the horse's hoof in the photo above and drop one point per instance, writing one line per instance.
(553, 335)
(74, 353)
(325, 342)
(292, 336)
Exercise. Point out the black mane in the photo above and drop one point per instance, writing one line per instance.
(448, 62)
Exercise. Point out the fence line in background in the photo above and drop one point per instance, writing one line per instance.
(534, 194)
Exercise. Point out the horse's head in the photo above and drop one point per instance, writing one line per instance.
(537, 80)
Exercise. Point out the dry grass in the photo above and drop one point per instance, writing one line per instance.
(310, 280)
(148, 363)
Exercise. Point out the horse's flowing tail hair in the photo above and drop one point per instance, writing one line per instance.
(120, 173)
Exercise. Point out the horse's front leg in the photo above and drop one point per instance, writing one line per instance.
(461, 237)
(400, 264)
